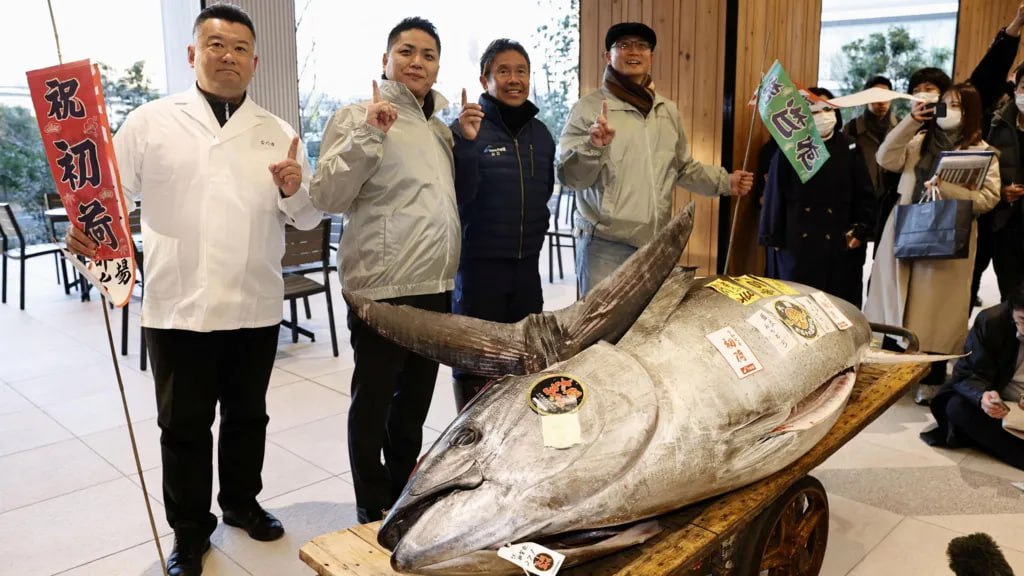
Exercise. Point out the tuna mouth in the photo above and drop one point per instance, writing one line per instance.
(411, 507)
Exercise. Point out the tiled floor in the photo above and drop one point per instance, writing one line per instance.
(70, 500)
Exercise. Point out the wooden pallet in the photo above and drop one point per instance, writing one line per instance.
(691, 535)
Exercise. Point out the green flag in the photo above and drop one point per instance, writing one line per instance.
(787, 116)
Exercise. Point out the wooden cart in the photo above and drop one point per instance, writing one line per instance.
(779, 524)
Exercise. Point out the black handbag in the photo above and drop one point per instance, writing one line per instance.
(933, 229)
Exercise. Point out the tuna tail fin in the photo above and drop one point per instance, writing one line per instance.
(494, 349)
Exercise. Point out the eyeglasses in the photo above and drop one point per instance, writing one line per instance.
(505, 73)
(640, 45)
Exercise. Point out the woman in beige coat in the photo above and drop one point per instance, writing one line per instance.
(930, 297)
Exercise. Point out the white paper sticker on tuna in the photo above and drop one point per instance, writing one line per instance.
(832, 310)
(825, 324)
(533, 558)
(735, 351)
(561, 430)
(775, 331)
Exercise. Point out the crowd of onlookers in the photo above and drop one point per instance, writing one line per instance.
(817, 232)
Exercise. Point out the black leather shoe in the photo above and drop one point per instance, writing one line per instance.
(260, 524)
(187, 557)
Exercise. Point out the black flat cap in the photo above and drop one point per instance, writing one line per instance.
(629, 29)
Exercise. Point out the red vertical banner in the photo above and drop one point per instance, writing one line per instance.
(68, 101)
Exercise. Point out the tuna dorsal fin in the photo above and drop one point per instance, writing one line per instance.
(494, 349)
(664, 303)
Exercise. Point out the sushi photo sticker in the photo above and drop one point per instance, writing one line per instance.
(557, 399)
(736, 352)
(796, 318)
(825, 324)
(734, 291)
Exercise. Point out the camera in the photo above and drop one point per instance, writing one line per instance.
(938, 109)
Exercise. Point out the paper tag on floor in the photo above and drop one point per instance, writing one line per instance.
(533, 558)
(832, 310)
(735, 351)
(561, 430)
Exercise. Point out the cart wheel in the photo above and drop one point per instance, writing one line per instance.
(788, 538)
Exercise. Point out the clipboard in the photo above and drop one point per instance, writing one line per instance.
(964, 168)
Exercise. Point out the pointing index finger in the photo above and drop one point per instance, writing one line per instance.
(376, 92)
(604, 108)
(464, 100)
(293, 150)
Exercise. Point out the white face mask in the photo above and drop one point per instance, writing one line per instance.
(929, 97)
(825, 122)
(1020, 102)
(951, 121)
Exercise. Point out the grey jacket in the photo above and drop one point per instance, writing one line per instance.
(625, 189)
(397, 193)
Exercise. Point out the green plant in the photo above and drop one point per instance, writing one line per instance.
(558, 73)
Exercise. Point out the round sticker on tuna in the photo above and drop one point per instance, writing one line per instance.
(557, 394)
(798, 320)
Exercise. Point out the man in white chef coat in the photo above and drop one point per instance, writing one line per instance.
(218, 177)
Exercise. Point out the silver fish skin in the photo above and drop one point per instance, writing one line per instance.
(664, 422)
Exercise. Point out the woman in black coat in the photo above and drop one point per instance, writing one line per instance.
(816, 232)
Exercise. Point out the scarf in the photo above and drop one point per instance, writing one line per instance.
(936, 141)
(639, 96)
(878, 127)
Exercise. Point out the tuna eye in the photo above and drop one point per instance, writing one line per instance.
(464, 437)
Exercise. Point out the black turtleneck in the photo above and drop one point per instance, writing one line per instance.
(222, 109)
(514, 117)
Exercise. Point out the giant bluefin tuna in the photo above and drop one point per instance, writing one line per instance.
(716, 383)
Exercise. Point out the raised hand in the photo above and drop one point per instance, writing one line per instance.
(470, 117)
(287, 173)
(78, 242)
(380, 113)
(601, 132)
(1013, 29)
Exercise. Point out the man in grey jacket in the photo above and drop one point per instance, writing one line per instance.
(624, 151)
(388, 166)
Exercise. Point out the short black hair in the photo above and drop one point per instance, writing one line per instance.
(413, 23)
(228, 12)
(1017, 298)
(936, 76)
(497, 47)
(876, 80)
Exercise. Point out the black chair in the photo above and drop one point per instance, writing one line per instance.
(337, 229)
(135, 228)
(56, 229)
(302, 250)
(556, 234)
(9, 231)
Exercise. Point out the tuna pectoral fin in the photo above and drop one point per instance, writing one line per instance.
(876, 356)
(494, 349)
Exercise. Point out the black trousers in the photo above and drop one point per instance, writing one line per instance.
(986, 431)
(391, 393)
(1008, 259)
(499, 290)
(193, 371)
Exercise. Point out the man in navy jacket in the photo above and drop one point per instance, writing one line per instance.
(503, 181)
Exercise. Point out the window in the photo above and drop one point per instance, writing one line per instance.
(340, 54)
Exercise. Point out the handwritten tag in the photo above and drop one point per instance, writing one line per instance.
(825, 324)
(561, 430)
(774, 331)
(735, 351)
(738, 293)
(533, 558)
(832, 310)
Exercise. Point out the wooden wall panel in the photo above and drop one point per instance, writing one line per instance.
(795, 31)
(689, 69)
(979, 20)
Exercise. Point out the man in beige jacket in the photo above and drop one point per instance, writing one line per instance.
(388, 166)
(624, 151)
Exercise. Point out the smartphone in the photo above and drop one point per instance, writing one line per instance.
(940, 110)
